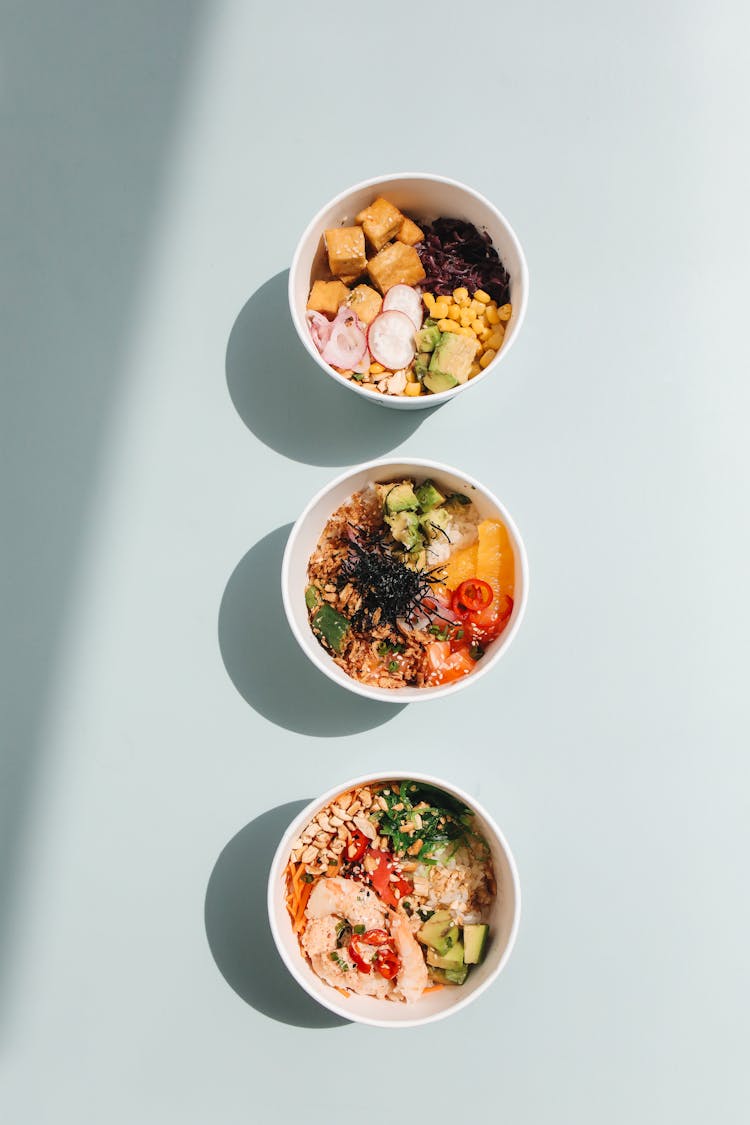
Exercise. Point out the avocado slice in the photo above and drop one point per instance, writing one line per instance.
(428, 338)
(453, 959)
(422, 364)
(454, 356)
(428, 496)
(449, 976)
(401, 498)
(437, 381)
(440, 933)
(431, 521)
(475, 943)
(331, 625)
(405, 529)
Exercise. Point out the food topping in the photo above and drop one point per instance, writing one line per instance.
(365, 926)
(445, 279)
(408, 587)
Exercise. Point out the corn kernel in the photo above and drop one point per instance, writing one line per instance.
(466, 332)
(480, 295)
(474, 370)
(376, 369)
(496, 339)
(492, 315)
(485, 334)
(487, 358)
(413, 389)
(448, 326)
(460, 295)
(465, 317)
(478, 326)
(429, 300)
(504, 312)
(477, 308)
(454, 312)
(440, 310)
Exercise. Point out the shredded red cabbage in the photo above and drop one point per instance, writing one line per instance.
(454, 253)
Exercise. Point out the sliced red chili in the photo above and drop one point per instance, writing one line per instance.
(357, 957)
(356, 846)
(387, 963)
(375, 937)
(472, 596)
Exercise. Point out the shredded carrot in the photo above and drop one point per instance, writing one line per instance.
(343, 991)
(432, 988)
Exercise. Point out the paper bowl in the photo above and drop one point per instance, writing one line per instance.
(424, 197)
(504, 921)
(304, 538)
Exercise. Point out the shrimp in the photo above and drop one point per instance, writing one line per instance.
(413, 977)
(342, 973)
(347, 899)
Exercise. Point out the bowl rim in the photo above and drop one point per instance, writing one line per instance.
(428, 177)
(278, 863)
(393, 694)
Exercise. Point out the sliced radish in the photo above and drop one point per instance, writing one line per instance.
(347, 343)
(407, 300)
(363, 366)
(320, 329)
(390, 338)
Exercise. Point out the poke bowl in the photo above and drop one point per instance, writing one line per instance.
(404, 581)
(376, 934)
(408, 289)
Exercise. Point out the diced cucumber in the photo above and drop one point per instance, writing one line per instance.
(331, 625)
(475, 943)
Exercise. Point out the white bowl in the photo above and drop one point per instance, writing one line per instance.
(426, 198)
(504, 920)
(303, 540)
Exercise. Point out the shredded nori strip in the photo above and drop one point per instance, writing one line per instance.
(382, 580)
(455, 254)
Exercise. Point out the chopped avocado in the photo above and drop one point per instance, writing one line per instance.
(453, 959)
(405, 529)
(437, 381)
(428, 338)
(440, 933)
(475, 943)
(422, 364)
(434, 522)
(454, 356)
(428, 496)
(312, 597)
(449, 976)
(401, 498)
(331, 625)
(430, 322)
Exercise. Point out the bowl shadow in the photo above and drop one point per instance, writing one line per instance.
(289, 404)
(237, 928)
(266, 664)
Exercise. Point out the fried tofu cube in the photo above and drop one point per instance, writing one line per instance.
(396, 264)
(381, 222)
(326, 297)
(410, 233)
(345, 247)
(365, 302)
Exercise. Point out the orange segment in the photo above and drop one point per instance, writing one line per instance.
(460, 566)
(495, 557)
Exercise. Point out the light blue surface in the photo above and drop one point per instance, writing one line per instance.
(162, 428)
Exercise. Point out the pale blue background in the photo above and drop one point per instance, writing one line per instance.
(161, 425)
